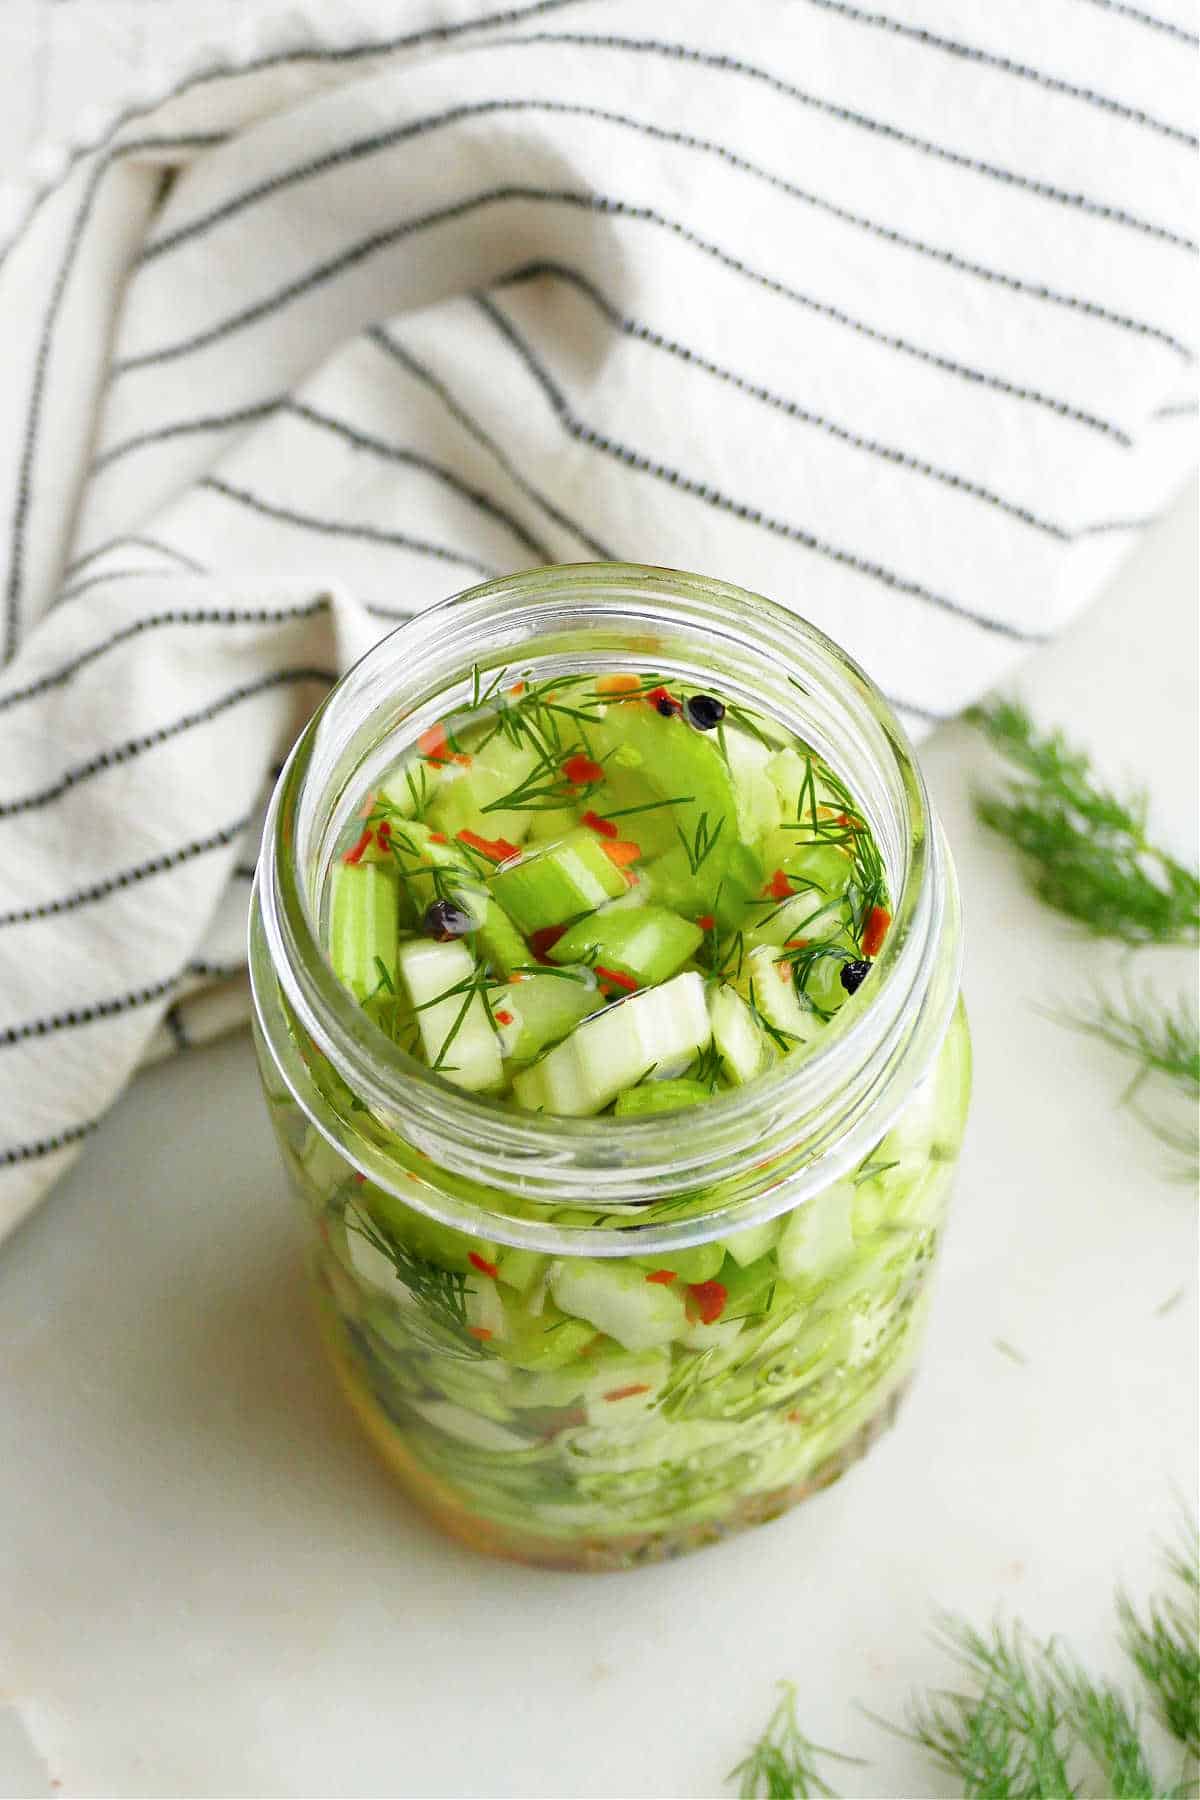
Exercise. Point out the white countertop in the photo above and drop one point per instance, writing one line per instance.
(208, 1585)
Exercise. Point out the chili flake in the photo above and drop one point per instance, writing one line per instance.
(482, 1264)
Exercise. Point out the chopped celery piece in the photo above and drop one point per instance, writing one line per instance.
(825, 870)
(556, 882)
(538, 1010)
(465, 798)
(743, 1046)
(674, 763)
(818, 1236)
(647, 943)
(699, 1262)
(364, 923)
(767, 984)
(657, 1031)
(616, 1298)
(499, 942)
(659, 1097)
(459, 1040)
(758, 804)
(755, 1241)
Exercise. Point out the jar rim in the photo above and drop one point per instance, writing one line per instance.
(864, 1063)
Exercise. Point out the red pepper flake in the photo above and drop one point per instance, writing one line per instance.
(543, 941)
(383, 830)
(359, 1176)
(706, 921)
(622, 852)
(580, 770)
(432, 744)
(605, 827)
(483, 1265)
(502, 1017)
(635, 1387)
(708, 1300)
(617, 979)
(876, 930)
(367, 807)
(517, 688)
(779, 887)
(796, 944)
(663, 702)
(364, 842)
(617, 684)
(664, 1277)
(783, 970)
(438, 837)
(479, 1331)
(496, 850)
(518, 976)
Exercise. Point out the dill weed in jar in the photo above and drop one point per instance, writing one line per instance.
(605, 956)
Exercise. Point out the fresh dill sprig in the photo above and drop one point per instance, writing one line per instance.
(1026, 1720)
(442, 1292)
(1164, 1041)
(782, 1765)
(1164, 1644)
(1086, 848)
(702, 844)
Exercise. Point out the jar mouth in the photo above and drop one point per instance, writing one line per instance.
(800, 1124)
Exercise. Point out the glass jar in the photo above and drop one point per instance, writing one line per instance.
(817, 1193)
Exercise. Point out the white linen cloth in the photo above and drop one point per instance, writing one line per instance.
(888, 314)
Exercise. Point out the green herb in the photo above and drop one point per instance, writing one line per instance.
(1164, 1042)
(1010, 1350)
(867, 1171)
(703, 842)
(1164, 1646)
(783, 1763)
(624, 812)
(1087, 848)
(442, 1292)
(1026, 1720)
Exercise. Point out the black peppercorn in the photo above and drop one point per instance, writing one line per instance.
(853, 974)
(704, 711)
(445, 920)
(666, 707)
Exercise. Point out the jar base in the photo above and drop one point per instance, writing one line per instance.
(593, 1555)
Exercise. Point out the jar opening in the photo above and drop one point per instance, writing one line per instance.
(749, 1152)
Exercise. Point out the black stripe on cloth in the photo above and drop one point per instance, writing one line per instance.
(420, 372)
(607, 206)
(131, 877)
(224, 615)
(988, 59)
(711, 496)
(1185, 409)
(210, 971)
(371, 534)
(1114, 215)
(133, 747)
(367, 146)
(175, 1025)
(144, 543)
(24, 488)
(23, 1153)
(634, 328)
(1103, 526)
(363, 440)
(224, 69)
(90, 581)
(241, 415)
(117, 1004)
(1144, 18)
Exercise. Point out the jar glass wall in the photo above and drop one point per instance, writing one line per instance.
(518, 1306)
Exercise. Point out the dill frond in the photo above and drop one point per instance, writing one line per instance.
(1164, 1644)
(1163, 1040)
(1086, 848)
(782, 1765)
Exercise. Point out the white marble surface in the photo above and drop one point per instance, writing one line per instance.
(208, 1587)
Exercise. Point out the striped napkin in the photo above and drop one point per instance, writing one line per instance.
(885, 313)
